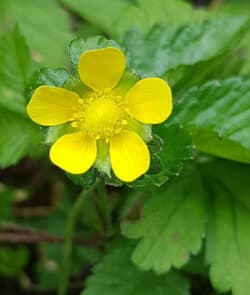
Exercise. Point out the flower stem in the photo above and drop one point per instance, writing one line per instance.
(69, 235)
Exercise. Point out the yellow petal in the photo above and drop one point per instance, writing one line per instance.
(74, 152)
(129, 156)
(150, 100)
(102, 68)
(51, 106)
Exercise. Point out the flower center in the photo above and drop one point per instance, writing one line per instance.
(101, 115)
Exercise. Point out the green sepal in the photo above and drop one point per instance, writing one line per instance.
(85, 180)
(80, 45)
(47, 76)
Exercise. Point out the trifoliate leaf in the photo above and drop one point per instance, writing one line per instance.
(15, 71)
(172, 225)
(117, 275)
(218, 115)
(44, 25)
(165, 48)
(227, 242)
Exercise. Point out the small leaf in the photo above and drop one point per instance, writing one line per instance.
(116, 275)
(172, 225)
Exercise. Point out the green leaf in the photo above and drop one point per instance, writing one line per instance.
(165, 48)
(186, 76)
(18, 137)
(240, 7)
(227, 242)
(118, 16)
(15, 71)
(44, 25)
(172, 225)
(217, 114)
(117, 275)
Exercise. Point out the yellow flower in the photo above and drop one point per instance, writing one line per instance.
(102, 116)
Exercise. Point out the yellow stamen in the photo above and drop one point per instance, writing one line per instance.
(101, 115)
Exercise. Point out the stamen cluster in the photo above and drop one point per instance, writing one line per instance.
(101, 114)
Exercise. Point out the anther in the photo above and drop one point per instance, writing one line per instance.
(80, 101)
(74, 124)
(124, 122)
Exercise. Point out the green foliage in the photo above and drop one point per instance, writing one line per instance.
(240, 7)
(228, 245)
(185, 45)
(117, 275)
(13, 260)
(185, 76)
(18, 135)
(217, 114)
(15, 71)
(18, 138)
(190, 212)
(118, 16)
(172, 226)
(44, 25)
